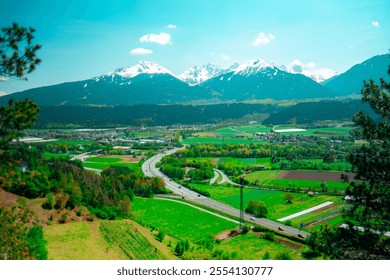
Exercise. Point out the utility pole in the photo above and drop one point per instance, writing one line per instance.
(241, 203)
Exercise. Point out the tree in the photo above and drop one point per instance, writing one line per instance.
(17, 51)
(288, 197)
(257, 208)
(17, 240)
(17, 117)
(17, 57)
(369, 216)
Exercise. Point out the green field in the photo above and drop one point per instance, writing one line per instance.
(104, 162)
(212, 140)
(132, 241)
(251, 247)
(274, 200)
(103, 240)
(243, 162)
(79, 241)
(318, 215)
(178, 220)
(48, 156)
(262, 177)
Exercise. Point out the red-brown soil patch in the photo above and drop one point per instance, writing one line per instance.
(7, 199)
(227, 234)
(45, 217)
(321, 176)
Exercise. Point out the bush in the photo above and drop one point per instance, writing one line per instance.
(258, 228)
(245, 229)
(62, 220)
(160, 236)
(49, 203)
(269, 236)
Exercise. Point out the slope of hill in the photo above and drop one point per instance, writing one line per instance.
(156, 115)
(311, 112)
(351, 82)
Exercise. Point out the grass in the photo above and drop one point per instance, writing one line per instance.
(263, 177)
(211, 140)
(47, 156)
(251, 247)
(309, 184)
(104, 162)
(79, 241)
(274, 200)
(178, 220)
(104, 159)
(243, 162)
(317, 215)
(133, 241)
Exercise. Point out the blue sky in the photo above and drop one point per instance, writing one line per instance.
(81, 39)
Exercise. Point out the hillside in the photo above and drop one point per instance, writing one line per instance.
(157, 115)
(311, 112)
(351, 82)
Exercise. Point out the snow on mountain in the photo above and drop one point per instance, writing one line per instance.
(200, 73)
(318, 75)
(142, 67)
(253, 67)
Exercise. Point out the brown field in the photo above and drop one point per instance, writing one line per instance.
(304, 175)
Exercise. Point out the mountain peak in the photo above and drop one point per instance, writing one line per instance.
(200, 73)
(142, 67)
(252, 67)
(318, 75)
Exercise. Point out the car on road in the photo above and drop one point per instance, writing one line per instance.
(281, 228)
(300, 235)
(253, 218)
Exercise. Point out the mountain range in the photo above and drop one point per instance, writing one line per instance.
(150, 83)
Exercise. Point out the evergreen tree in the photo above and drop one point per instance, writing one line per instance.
(17, 51)
(368, 218)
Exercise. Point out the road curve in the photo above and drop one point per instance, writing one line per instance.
(150, 170)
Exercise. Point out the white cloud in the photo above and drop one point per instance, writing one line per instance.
(375, 23)
(162, 38)
(141, 51)
(311, 65)
(225, 57)
(171, 26)
(263, 39)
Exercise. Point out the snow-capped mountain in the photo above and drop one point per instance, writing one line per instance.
(259, 79)
(200, 73)
(253, 67)
(318, 75)
(142, 67)
(150, 83)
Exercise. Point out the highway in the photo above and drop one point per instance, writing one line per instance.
(150, 170)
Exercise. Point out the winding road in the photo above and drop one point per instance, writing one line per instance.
(150, 170)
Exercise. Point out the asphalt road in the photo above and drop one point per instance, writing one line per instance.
(150, 170)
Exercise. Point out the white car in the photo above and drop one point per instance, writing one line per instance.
(253, 218)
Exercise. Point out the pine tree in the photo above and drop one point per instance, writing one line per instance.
(368, 218)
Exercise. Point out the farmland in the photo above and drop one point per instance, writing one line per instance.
(178, 220)
(274, 200)
(104, 162)
(272, 165)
